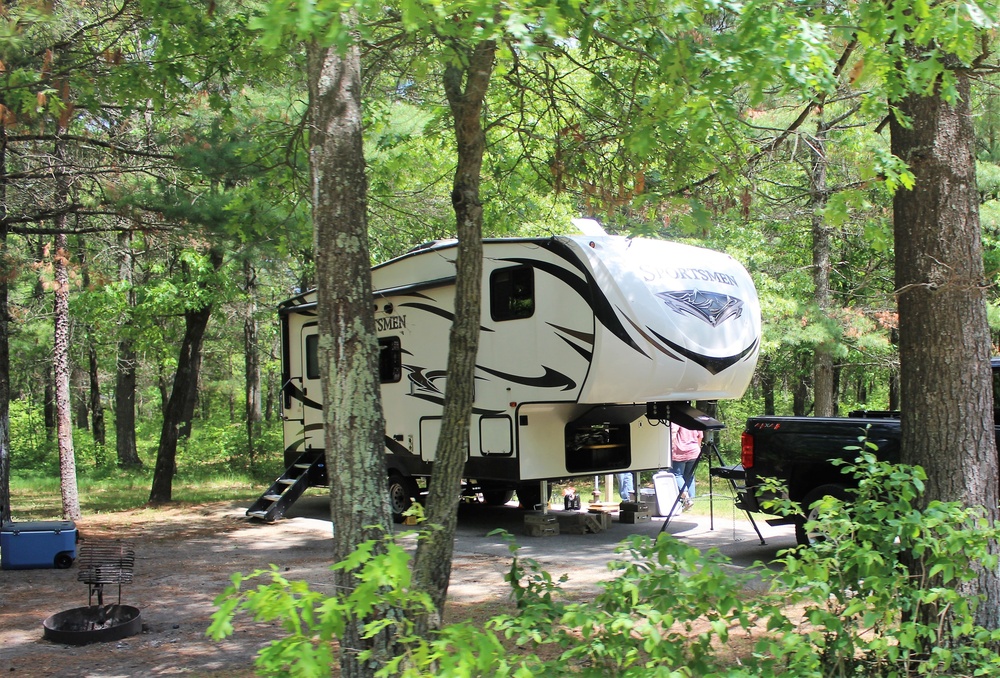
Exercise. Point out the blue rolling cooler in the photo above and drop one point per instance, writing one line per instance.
(37, 544)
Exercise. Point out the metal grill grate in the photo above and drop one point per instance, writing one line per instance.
(104, 563)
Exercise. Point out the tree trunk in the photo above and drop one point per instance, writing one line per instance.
(4, 340)
(125, 378)
(894, 373)
(60, 350)
(61, 370)
(79, 394)
(767, 385)
(251, 352)
(354, 429)
(800, 391)
(432, 564)
(49, 404)
(823, 353)
(944, 341)
(192, 399)
(93, 401)
(188, 364)
(96, 408)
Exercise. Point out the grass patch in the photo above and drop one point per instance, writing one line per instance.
(36, 495)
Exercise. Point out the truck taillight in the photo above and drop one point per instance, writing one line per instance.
(746, 450)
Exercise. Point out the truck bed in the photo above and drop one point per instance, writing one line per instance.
(798, 451)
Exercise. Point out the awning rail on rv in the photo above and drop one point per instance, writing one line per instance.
(415, 287)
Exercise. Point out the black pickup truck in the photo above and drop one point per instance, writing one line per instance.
(797, 451)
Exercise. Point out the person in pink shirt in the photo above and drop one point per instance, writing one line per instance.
(686, 448)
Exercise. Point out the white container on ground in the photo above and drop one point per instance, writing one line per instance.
(665, 485)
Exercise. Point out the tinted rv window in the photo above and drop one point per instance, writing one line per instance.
(312, 356)
(512, 293)
(390, 360)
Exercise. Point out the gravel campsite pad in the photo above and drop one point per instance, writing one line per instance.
(185, 555)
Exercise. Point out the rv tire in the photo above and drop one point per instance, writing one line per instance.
(529, 495)
(402, 491)
(497, 497)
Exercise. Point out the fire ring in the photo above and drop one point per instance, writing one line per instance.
(93, 624)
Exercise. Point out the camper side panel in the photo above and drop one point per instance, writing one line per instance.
(301, 400)
(536, 341)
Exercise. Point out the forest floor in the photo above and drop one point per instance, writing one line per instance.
(184, 558)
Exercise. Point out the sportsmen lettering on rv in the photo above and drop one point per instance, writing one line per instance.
(392, 322)
(688, 274)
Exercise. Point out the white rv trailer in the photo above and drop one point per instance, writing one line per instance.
(584, 342)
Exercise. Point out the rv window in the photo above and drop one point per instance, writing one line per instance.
(390, 360)
(312, 356)
(512, 293)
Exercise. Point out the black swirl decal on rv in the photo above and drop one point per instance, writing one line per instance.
(296, 393)
(551, 378)
(423, 381)
(587, 288)
(713, 365)
(711, 307)
(439, 400)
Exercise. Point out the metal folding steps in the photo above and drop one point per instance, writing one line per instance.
(304, 472)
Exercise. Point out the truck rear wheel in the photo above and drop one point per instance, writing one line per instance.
(402, 491)
(806, 538)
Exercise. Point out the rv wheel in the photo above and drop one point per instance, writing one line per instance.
(401, 493)
(497, 497)
(529, 495)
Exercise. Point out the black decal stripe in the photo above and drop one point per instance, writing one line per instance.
(487, 413)
(653, 342)
(296, 444)
(424, 381)
(589, 291)
(587, 337)
(450, 317)
(713, 365)
(587, 355)
(440, 401)
(396, 447)
(551, 378)
(296, 393)
(434, 310)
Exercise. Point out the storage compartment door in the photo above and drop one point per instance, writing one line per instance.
(496, 436)
(430, 431)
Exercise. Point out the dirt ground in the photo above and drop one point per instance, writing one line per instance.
(184, 558)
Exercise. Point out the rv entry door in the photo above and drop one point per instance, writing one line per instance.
(312, 393)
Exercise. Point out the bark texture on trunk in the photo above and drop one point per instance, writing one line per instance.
(251, 362)
(354, 429)
(465, 87)
(944, 341)
(823, 401)
(96, 408)
(60, 350)
(125, 366)
(4, 340)
(178, 405)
